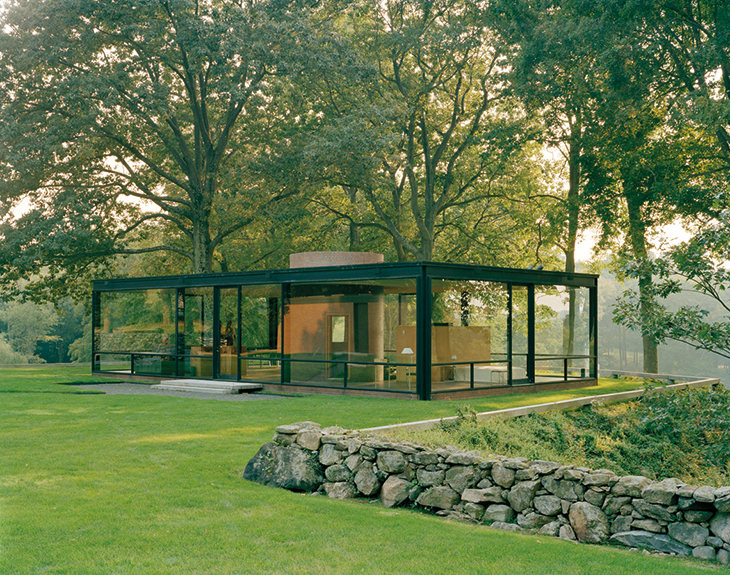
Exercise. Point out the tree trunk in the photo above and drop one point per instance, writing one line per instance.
(572, 238)
(637, 240)
(202, 249)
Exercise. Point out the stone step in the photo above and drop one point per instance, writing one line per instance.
(207, 386)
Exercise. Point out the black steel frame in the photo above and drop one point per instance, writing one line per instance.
(422, 272)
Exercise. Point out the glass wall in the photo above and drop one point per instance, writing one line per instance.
(351, 334)
(469, 334)
(134, 331)
(562, 333)
(260, 353)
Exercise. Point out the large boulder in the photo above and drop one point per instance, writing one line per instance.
(720, 526)
(501, 513)
(440, 497)
(521, 495)
(461, 477)
(589, 523)
(631, 485)
(663, 493)
(391, 461)
(289, 467)
(691, 534)
(647, 540)
(367, 481)
(394, 491)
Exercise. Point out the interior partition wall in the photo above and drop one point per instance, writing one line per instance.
(419, 329)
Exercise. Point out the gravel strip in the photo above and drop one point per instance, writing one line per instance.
(143, 389)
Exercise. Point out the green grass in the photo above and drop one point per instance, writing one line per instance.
(102, 484)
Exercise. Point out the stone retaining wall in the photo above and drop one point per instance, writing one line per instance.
(515, 494)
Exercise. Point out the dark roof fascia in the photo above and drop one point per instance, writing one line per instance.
(398, 270)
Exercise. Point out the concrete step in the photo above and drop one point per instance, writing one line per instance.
(208, 386)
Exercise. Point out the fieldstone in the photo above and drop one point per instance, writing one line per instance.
(613, 505)
(722, 499)
(570, 490)
(353, 445)
(589, 523)
(647, 540)
(340, 490)
(354, 462)
(686, 502)
(430, 478)
(631, 485)
(550, 484)
(544, 467)
(503, 476)
(493, 494)
(294, 428)
(704, 552)
(690, 534)
(474, 510)
(723, 557)
(284, 439)
(594, 497)
(484, 483)
(424, 458)
(622, 523)
(521, 495)
(550, 529)
(574, 475)
(528, 474)
(368, 453)
(470, 458)
(533, 520)
(652, 510)
(507, 526)
(548, 505)
(686, 491)
(309, 438)
(498, 513)
(366, 481)
(713, 541)
(663, 493)
(287, 467)
(720, 526)
(391, 461)
(566, 532)
(647, 525)
(394, 491)
(337, 473)
(698, 516)
(441, 497)
(515, 463)
(461, 477)
(414, 492)
(597, 479)
(329, 454)
(704, 494)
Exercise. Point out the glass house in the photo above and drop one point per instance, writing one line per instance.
(419, 330)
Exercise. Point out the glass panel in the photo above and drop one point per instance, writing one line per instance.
(561, 332)
(197, 332)
(469, 334)
(228, 333)
(260, 351)
(139, 322)
(519, 330)
(349, 333)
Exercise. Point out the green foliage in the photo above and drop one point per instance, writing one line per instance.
(683, 434)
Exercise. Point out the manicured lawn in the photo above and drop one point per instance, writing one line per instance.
(97, 484)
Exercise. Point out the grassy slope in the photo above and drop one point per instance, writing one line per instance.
(95, 484)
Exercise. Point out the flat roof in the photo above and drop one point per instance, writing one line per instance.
(361, 272)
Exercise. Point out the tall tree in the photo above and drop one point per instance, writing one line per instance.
(119, 116)
(433, 131)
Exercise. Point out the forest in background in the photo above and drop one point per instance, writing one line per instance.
(181, 136)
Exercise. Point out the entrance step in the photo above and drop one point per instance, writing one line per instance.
(208, 386)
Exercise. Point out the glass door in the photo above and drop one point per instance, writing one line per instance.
(228, 333)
